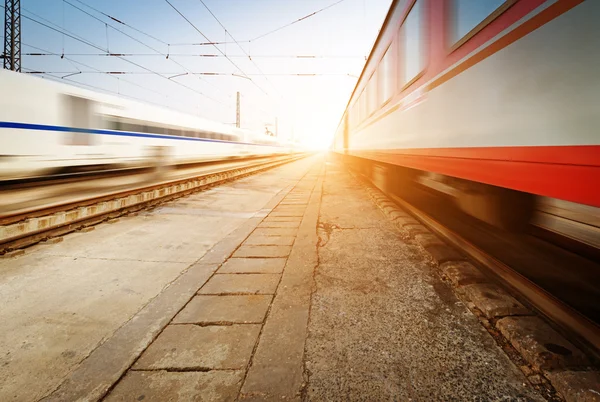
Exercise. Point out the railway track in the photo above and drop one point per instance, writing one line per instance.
(103, 196)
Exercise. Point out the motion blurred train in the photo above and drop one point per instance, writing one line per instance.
(493, 103)
(48, 127)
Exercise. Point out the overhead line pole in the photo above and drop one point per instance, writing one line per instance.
(12, 35)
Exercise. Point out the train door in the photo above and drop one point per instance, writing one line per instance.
(79, 115)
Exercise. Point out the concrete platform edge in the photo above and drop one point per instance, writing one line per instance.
(105, 365)
(277, 367)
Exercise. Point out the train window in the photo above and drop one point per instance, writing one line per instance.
(470, 16)
(363, 105)
(111, 124)
(157, 130)
(412, 60)
(372, 95)
(385, 77)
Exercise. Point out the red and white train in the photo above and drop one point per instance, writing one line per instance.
(486, 100)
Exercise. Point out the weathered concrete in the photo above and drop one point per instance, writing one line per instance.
(383, 325)
(241, 283)
(493, 301)
(540, 345)
(441, 253)
(427, 240)
(68, 308)
(160, 386)
(462, 273)
(262, 251)
(414, 230)
(200, 348)
(253, 266)
(287, 213)
(277, 367)
(577, 386)
(256, 240)
(283, 219)
(227, 309)
(273, 224)
(276, 232)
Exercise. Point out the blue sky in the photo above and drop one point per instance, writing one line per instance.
(308, 107)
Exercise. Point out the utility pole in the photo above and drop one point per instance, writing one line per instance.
(12, 35)
(237, 111)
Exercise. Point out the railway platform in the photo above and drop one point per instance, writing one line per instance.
(297, 283)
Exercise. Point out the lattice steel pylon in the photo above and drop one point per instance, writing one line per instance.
(12, 35)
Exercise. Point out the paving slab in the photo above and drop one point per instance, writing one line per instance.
(539, 344)
(253, 266)
(256, 240)
(282, 219)
(493, 301)
(277, 369)
(56, 310)
(161, 386)
(577, 386)
(199, 348)
(275, 231)
(273, 224)
(262, 251)
(283, 208)
(238, 309)
(241, 284)
(287, 213)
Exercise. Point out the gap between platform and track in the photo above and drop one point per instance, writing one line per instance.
(25, 229)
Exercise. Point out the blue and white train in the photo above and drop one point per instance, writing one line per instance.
(48, 127)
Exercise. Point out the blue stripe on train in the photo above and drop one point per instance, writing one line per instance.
(43, 127)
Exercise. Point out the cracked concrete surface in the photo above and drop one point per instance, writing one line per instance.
(351, 310)
(383, 326)
(60, 301)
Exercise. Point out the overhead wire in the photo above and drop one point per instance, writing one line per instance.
(216, 47)
(296, 21)
(96, 88)
(90, 67)
(237, 43)
(292, 56)
(158, 52)
(210, 43)
(207, 73)
(91, 44)
(122, 22)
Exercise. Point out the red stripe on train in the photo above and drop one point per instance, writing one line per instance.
(569, 173)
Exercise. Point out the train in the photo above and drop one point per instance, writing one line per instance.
(47, 127)
(493, 104)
